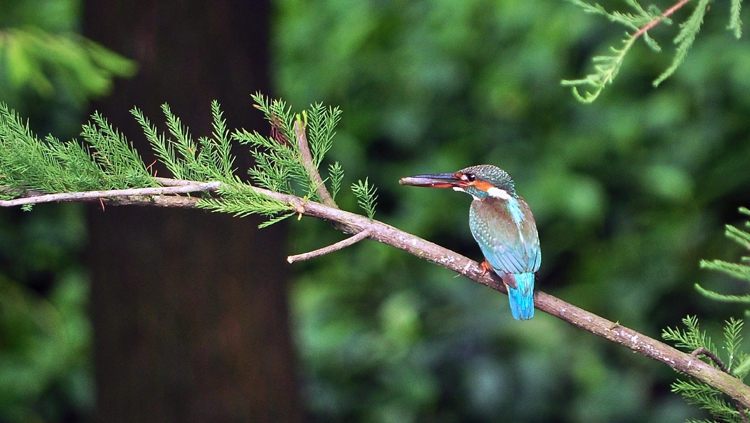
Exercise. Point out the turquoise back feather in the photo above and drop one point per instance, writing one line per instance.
(506, 233)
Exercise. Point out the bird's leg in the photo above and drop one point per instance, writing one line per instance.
(485, 265)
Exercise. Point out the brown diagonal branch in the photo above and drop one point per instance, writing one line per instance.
(381, 232)
(307, 162)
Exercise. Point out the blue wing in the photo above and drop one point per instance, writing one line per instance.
(507, 235)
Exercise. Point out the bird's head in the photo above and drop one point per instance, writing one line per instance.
(481, 181)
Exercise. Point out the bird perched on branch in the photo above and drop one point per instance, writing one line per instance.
(503, 226)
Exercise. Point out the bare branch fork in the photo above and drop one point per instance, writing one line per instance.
(362, 227)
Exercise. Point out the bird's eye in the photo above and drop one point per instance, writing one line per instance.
(470, 177)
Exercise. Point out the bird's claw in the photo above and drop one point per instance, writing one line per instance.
(485, 267)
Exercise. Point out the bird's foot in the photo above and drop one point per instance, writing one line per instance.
(485, 265)
(508, 279)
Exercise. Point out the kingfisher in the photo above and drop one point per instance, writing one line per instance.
(503, 226)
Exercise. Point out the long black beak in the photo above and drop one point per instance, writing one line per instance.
(433, 180)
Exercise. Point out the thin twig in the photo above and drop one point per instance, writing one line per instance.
(307, 162)
(723, 368)
(331, 248)
(712, 356)
(91, 195)
(675, 7)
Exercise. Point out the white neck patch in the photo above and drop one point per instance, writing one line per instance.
(498, 193)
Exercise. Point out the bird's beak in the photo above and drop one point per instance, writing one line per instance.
(434, 180)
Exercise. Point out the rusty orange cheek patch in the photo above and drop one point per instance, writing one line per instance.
(481, 185)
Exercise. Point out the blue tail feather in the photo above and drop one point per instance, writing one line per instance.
(522, 297)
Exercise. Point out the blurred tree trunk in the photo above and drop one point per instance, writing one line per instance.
(189, 308)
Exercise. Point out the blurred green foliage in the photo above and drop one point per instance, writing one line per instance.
(629, 194)
(640, 22)
(47, 74)
(45, 333)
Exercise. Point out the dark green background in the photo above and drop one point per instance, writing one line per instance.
(629, 194)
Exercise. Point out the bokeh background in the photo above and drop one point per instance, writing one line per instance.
(629, 194)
